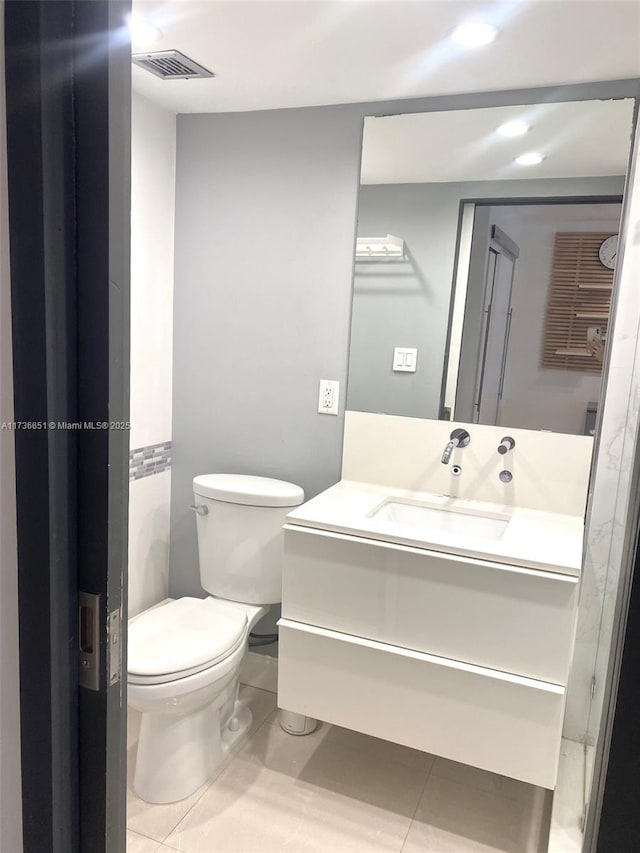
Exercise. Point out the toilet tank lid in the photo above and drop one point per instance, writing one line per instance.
(248, 490)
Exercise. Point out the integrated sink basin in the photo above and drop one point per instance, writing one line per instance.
(436, 518)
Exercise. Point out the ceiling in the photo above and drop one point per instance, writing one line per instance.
(580, 139)
(294, 53)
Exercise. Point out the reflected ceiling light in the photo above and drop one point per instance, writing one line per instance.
(142, 32)
(474, 34)
(531, 158)
(513, 128)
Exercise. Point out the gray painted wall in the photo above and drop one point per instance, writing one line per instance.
(407, 303)
(265, 233)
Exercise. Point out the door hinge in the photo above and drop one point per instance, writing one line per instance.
(114, 648)
(593, 686)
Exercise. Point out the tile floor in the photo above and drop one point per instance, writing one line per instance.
(338, 791)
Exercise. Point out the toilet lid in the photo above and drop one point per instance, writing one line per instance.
(187, 634)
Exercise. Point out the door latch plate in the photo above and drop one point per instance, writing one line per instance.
(114, 637)
(89, 641)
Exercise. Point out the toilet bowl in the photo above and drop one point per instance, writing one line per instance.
(185, 654)
(191, 715)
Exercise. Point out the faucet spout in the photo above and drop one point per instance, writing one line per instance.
(458, 438)
(446, 456)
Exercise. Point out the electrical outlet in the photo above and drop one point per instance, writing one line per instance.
(328, 397)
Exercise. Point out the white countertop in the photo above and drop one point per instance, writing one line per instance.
(534, 539)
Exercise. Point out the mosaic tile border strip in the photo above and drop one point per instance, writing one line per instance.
(152, 459)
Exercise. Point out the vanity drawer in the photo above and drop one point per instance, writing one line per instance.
(504, 617)
(503, 723)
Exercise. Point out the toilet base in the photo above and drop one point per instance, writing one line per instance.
(178, 754)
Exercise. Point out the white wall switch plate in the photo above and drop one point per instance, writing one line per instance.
(328, 397)
(405, 359)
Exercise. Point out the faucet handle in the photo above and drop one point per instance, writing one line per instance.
(461, 437)
(458, 438)
(506, 444)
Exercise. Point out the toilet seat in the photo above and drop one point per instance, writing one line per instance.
(183, 637)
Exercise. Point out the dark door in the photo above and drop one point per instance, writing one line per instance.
(68, 139)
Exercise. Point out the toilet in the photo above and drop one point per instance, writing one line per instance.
(185, 654)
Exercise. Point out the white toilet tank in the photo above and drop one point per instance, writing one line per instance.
(240, 535)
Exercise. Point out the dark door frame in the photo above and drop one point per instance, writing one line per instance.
(68, 140)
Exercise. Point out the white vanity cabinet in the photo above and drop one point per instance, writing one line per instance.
(459, 657)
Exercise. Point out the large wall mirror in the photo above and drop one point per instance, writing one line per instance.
(485, 260)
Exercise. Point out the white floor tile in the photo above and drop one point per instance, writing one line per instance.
(140, 844)
(157, 821)
(383, 749)
(303, 795)
(492, 783)
(453, 817)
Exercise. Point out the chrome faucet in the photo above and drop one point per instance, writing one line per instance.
(458, 438)
(506, 444)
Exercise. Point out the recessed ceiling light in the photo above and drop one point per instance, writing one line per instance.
(513, 128)
(532, 158)
(474, 34)
(142, 32)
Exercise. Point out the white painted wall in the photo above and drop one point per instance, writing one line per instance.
(153, 172)
(153, 158)
(10, 779)
(149, 500)
(405, 453)
(537, 398)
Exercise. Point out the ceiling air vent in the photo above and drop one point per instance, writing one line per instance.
(170, 65)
